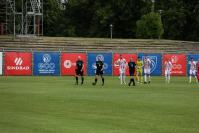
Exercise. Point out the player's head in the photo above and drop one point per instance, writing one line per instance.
(191, 59)
(120, 56)
(139, 58)
(131, 59)
(79, 57)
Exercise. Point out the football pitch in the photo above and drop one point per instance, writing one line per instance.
(56, 105)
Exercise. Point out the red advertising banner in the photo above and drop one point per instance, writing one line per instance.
(68, 63)
(125, 56)
(18, 63)
(178, 62)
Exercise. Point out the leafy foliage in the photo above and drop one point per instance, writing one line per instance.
(150, 26)
(92, 18)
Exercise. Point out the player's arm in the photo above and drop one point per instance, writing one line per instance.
(82, 67)
(126, 64)
(171, 65)
(102, 67)
(117, 62)
(76, 65)
(142, 64)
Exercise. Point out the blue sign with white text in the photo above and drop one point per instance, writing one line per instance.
(46, 63)
(156, 62)
(105, 57)
(195, 58)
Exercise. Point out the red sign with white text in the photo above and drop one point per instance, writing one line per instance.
(68, 63)
(178, 63)
(18, 63)
(127, 58)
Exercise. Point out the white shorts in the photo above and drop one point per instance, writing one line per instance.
(147, 71)
(167, 72)
(192, 72)
(122, 71)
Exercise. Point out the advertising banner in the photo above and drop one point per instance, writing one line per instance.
(68, 63)
(46, 63)
(105, 57)
(1, 63)
(18, 63)
(179, 63)
(195, 58)
(125, 56)
(156, 62)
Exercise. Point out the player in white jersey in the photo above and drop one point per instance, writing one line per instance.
(168, 67)
(121, 62)
(147, 70)
(192, 71)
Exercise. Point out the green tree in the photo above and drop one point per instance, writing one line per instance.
(150, 26)
(52, 14)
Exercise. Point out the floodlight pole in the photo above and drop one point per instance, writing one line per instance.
(160, 12)
(111, 30)
(153, 5)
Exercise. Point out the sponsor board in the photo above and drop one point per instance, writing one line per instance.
(105, 57)
(46, 63)
(156, 62)
(18, 63)
(178, 62)
(68, 63)
(1, 63)
(127, 57)
(195, 58)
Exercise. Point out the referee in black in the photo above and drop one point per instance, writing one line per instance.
(99, 71)
(132, 66)
(79, 70)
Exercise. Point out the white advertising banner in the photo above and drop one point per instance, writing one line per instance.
(1, 64)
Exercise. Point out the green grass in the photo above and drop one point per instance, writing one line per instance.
(56, 105)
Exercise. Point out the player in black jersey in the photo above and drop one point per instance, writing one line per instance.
(79, 70)
(131, 65)
(99, 70)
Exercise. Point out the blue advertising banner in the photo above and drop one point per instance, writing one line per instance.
(195, 58)
(46, 63)
(156, 62)
(105, 57)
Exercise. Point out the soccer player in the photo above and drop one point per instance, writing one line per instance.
(99, 70)
(198, 70)
(139, 65)
(131, 65)
(79, 70)
(192, 71)
(147, 70)
(168, 67)
(122, 69)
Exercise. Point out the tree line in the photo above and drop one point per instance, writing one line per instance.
(92, 18)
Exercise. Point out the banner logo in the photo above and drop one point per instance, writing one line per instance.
(174, 59)
(68, 64)
(18, 65)
(46, 58)
(46, 65)
(18, 61)
(101, 57)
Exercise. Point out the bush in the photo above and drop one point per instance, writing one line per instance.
(150, 26)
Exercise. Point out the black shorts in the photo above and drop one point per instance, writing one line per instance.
(79, 72)
(99, 72)
(131, 72)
